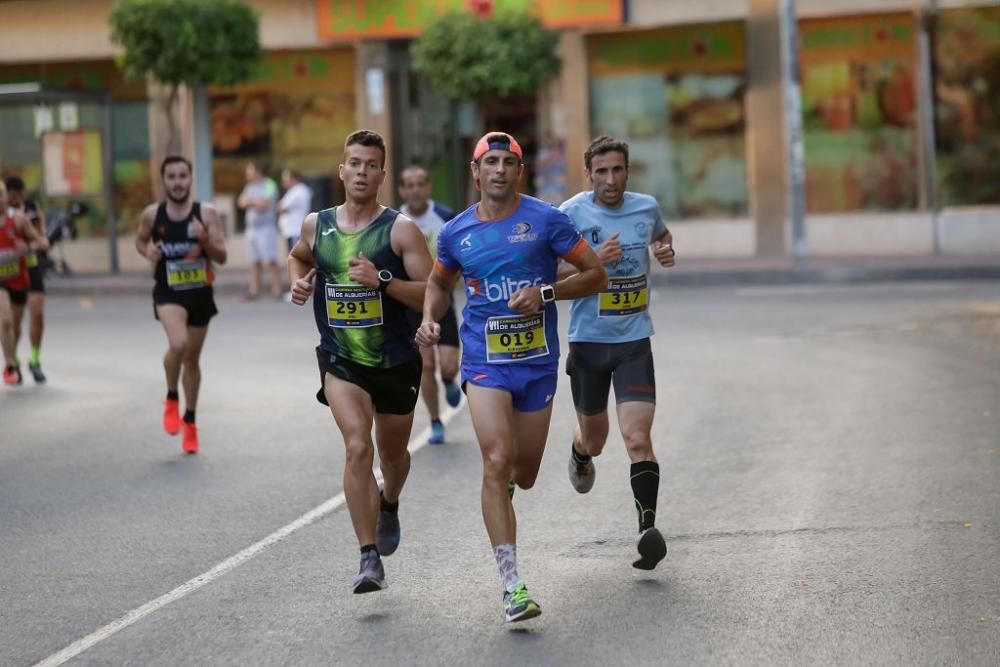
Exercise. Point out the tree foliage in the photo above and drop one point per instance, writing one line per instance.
(469, 57)
(195, 42)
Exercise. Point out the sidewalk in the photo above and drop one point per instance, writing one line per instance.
(687, 273)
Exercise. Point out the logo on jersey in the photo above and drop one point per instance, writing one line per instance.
(466, 242)
(641, 228)
(501, 290)
(521, 233)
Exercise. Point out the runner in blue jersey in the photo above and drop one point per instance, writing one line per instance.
(508, 247)
(609, 332)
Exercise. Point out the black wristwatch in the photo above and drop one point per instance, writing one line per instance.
(384, 276)
(548, 293)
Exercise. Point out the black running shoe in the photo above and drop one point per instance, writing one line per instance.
(387, 532)
(36, 372)
(652, 549)
(371, 576)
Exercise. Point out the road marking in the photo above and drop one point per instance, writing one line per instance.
(79, 646)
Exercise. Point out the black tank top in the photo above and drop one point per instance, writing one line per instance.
(184, 266)
(364, 325)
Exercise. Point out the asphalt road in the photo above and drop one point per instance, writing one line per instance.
(831, 495)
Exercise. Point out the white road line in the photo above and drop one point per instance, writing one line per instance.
(79, 646)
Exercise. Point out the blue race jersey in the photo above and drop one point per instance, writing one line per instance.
(619, 312)
(498, 258)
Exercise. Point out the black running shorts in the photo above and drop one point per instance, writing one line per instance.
(449, 329)
(18, 297)
(36, 274)
(199, 304)
(393, 390)
(593, 367)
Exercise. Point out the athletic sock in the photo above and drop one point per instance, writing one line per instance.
(645, 478)
(189, 416)
(386, 505)
(506, 556)
(365, 548)
(36, 356)
(579, 458)
(173, 395)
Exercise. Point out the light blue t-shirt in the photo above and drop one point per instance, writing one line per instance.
(619, 313)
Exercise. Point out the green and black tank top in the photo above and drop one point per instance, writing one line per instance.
(359, 323)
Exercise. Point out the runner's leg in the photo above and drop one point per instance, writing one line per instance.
(173, 317)
(191, 368)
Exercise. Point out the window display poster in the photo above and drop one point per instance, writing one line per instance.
(859, 113)
(72, 163)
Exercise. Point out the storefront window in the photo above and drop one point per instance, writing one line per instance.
(676, 95)
(859, 113)
(967, 82)
(295, 113)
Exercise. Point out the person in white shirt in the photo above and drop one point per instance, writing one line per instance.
(294, 206)
(415, 190)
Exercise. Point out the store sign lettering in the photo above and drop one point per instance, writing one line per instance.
(354, 19)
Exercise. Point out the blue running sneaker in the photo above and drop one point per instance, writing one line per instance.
(437, 433)
(371, 576)
(518, 605)
(452, 393)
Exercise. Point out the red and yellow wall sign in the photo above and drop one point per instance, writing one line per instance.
(703, 49)
(387, 19)
(330, 70)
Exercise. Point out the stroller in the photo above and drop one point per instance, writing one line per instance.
(62, 226)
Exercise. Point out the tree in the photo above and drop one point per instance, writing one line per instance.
(185, 42)
(467, 56)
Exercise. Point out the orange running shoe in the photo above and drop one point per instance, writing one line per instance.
(189, 442)
(171, 417)
(11, 375)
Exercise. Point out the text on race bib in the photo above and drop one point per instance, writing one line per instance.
(10, 265)
(623, 296)
(512, 338)
(184, 274)
(353, 306)
(31, 260)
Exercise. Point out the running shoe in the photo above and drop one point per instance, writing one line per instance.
(171, 417)
(387, 532)
(36, 373)
(371, 576)
(189, 441)
(652, 549)
(581, 475)
(12, 375)
(452, 393)
(437, 433)
(518, 605)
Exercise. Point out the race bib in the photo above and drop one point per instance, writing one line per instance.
(511, 338)
(9, 270)
(623, 296)
(31, 260)
(185, 274)
(10, 265)
(353, 306)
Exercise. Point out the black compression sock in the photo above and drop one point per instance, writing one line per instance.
(365, 548)
(173, 396)
(189, 416)
(386, 505)
(645, 478)
(580, 458)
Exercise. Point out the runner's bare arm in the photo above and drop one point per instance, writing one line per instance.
(439, 285)
(215, 243)
(590, 277)
(145, 232)
(663, 249)
(28, 231)
(409, 243)
(301, 263)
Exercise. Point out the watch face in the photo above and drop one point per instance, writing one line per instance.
(385, 275)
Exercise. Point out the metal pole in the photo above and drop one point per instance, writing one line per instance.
(925, 104)
(109, 186)
(793, 127)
